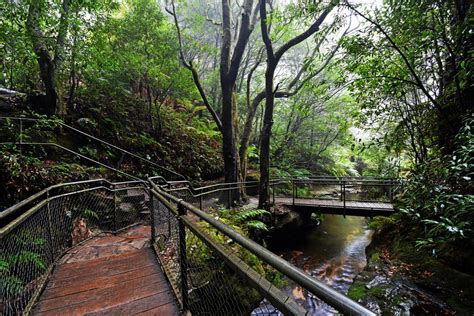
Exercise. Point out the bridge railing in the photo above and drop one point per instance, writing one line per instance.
(34, 241)
(339, 189)
(210, 264)
(343, 189)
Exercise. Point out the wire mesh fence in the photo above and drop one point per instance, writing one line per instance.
(372, 190)
(34, 241)
(210, 274)
(214, 270)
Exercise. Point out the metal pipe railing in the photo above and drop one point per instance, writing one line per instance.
(21, 119)
(14, 208)
(321, 290)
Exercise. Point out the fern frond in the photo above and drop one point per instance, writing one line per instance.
(10, 285)
(249, 214)
(28, 257)
(257, 225)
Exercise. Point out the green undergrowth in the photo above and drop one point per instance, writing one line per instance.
(248, 223)
(177, 140)
(23, 173)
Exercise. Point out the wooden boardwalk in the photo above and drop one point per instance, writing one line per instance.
(354, 208)
(113, 275)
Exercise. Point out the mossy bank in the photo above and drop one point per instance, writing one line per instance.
(400, 279)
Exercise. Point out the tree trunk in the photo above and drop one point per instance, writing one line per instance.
(229, 151)
(49, 66)
(272, 62)
(48, 77)
(247, 131)
(263, 200)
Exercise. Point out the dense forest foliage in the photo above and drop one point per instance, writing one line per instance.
(257, 89)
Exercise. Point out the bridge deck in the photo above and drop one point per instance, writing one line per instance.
(337, 207)
(112, 275)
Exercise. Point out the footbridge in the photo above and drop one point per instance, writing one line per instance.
(355, 196)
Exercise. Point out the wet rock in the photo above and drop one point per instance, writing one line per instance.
(372, 305)
(378, 280)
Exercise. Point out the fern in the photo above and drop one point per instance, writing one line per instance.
(4, 266)
(10, 285)
(90, 215)
(28, 257)
(28, 240)
(251, 214)
(257, 225)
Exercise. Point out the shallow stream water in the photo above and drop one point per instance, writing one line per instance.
(333, 252)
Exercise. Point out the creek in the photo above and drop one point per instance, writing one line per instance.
(333, 252)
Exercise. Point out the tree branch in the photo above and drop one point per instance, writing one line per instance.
(190, 67)
(303, 36)
(412, 71)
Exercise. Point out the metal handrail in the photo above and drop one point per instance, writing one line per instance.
(17, 221)
(326, 293)
(76, 154)
(99, 140)
(13, 209)
(199, 192)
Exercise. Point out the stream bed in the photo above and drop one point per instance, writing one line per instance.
(333, 252)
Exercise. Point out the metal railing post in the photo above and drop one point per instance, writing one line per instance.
(152, 217)
(200, 202)
(390, 190)
(183, 257)
(21, 137)
(50, 229)
(273, 193)
(293, 183)
(115, 211)
(229, 197)
(21, 131)
(296, 190)
(341, 190)
(344, 195)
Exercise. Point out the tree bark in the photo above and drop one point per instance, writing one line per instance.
(48, 65)
(229, 68)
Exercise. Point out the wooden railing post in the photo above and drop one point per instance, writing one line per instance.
(183, 257)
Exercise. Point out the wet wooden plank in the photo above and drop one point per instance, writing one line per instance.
(125, 281)
(158, 302)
